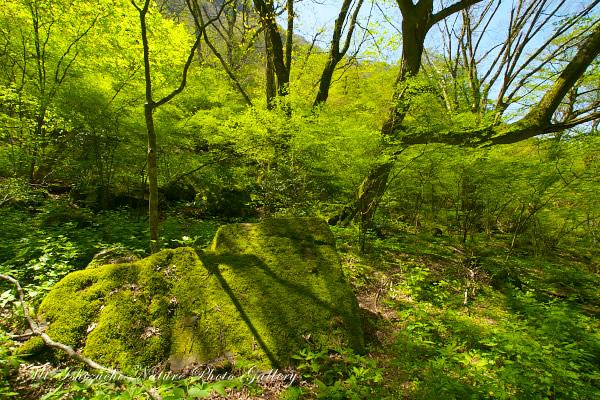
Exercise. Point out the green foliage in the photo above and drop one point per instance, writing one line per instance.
(539, 192)
(39, 249)
(179, 231)
(339, 375)
(463, 358)
(458, 370)
(521, 338)
(9, 363)
(79, 387)
(498, 303)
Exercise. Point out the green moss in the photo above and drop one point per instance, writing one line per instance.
(237, 238)
(262, 293)
(125, 333)
(74, 303)
(114, 255)
(32, 347)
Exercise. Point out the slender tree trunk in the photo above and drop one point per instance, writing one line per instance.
(151, 105)
(152, 179)
(271, 82)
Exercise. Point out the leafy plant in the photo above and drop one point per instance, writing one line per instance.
(8, 363)
(103, 389)
(341, 375)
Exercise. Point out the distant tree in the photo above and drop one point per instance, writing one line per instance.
(226, 28)
(42, 44)
(279, 51)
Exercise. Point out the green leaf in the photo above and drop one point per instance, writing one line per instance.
(196, 391)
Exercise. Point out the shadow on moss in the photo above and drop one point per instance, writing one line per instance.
(261, 293)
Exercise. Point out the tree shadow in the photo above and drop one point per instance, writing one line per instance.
(293, 288)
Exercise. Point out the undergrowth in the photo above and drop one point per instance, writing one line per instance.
(461, 321)
(448, 320)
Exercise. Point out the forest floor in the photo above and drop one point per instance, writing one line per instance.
(442, 318)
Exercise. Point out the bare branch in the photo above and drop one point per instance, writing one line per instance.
(539, 120)
(587, 53)
(454, 8)
(201, 27)
(571, 123)
(190, 58)
(567, 44)
(68, 50)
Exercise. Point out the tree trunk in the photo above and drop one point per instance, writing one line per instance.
(369, 194)
(270, 82)
(415, 25)
(325, 83)
(417, 20)
(273, 38)
(152, 179)
(335, 53)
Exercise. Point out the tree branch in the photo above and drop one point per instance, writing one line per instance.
(190, 58)
(58, 79)
(201, 27)
(589, 50)
(335, 54)
(446, 12)
(539, 120)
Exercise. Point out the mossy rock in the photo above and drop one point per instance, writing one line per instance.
(32, 347)
(80, 219)
(261, 293)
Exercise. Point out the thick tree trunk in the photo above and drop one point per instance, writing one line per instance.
(415, 25)
(272, 36)
(335, 53)
(371, 191)
(325, 83)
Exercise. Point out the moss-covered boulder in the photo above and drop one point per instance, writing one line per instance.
(261, 293)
